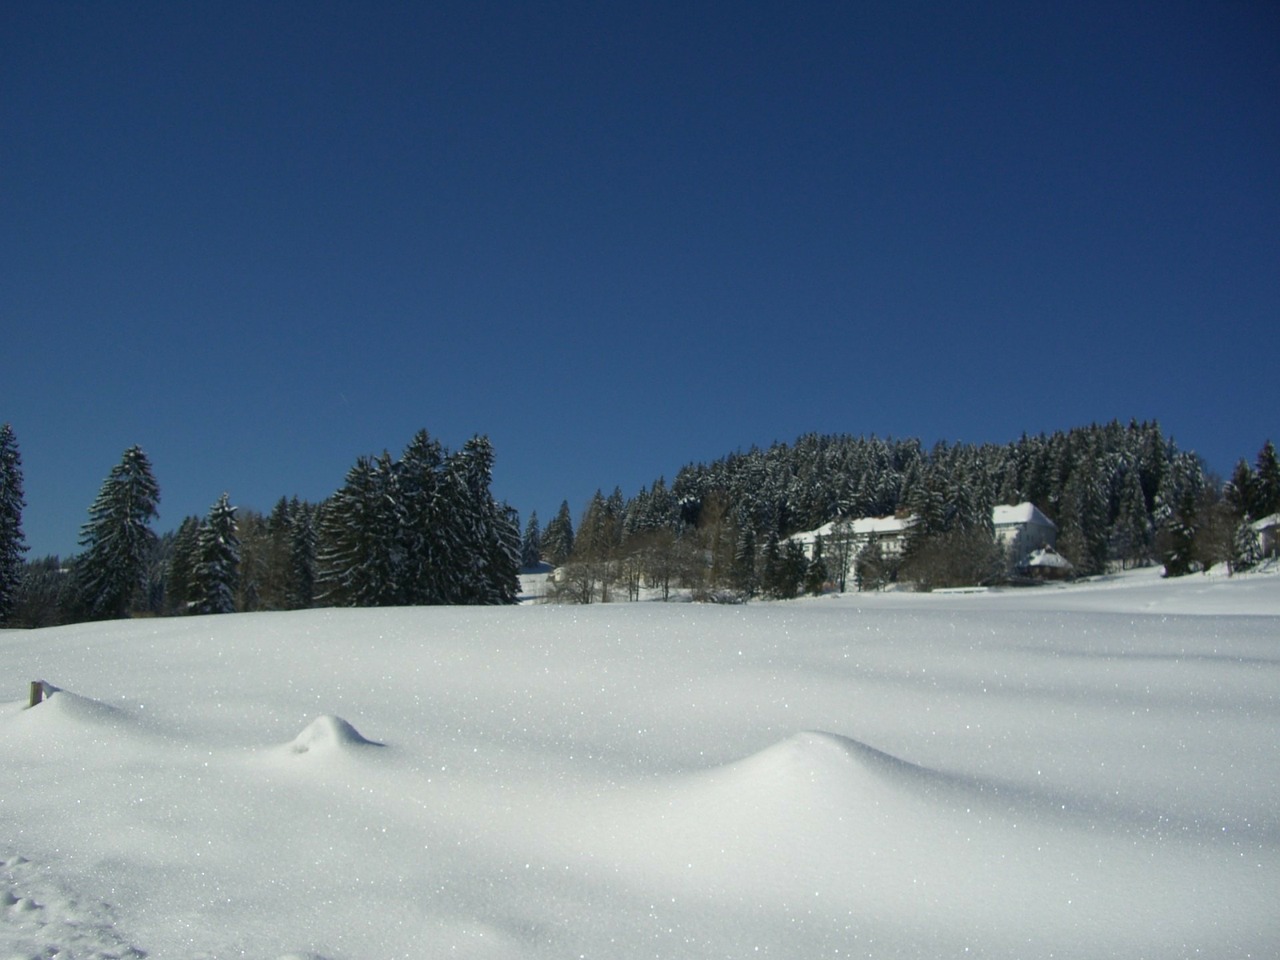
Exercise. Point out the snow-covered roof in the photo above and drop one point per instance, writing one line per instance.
(1047, 557)
(1025, 512)
(1267, 523)
(863, 526)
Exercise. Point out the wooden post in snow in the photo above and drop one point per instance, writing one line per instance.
(37, 692)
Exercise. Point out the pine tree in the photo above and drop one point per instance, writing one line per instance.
(1179, 553)
(424, 514)
(771, 565)
(1131, 533)
(1267, 484)
(260, 571)
(743, 574)
(12, 544)
(302, 556)
(870, 571)
(1241, 491)
(558, 538)
(180, 575)
(357, 544)
(794, 566)
(815, 577)
(217, 568)
(503, 572)
(488, 570)
(112, 569)
(43, 596)
(1246, 551)
(531, 543)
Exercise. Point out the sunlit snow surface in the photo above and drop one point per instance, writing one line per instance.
(1086, 772)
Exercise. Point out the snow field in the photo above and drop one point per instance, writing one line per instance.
(1088, 772)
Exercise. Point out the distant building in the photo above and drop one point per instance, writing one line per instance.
(1047, 563)
(1268, 531)
(1020, 529)
(889, 532)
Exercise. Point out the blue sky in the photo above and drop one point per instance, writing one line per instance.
(260, 240)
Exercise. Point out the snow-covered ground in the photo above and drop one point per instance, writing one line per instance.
(1089, 771)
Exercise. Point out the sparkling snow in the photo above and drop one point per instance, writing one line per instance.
(1087, 771)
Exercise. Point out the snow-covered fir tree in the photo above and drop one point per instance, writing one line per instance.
(1179, 553)
(424, 511)
(1266, 494)
(216, 573)
(111, 572)
(302, 556)
(359, 540)
(12, 543)
(531, 543)
(483, 549)
(421, 530)
(558, 538)
(179, 582)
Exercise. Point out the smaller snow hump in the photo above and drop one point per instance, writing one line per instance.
(327, 734)
(815, 754)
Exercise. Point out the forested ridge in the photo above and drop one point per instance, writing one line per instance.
(1120, 495)
(424, 528)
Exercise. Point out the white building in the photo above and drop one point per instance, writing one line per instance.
(1268, 531)
(1021, 529)
(889, 532)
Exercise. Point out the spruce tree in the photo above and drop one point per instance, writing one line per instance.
(302, 556)
(12, 545)
(1246, 551)
(531, 543)
(503, 573)
(743, 575)
(483, 536)
(1179, 553)
(1240, 491)
(771, 565)
(558, 538)
(1267, 484)
(111, 572)
(794, 566)
(424, 517)
(217, 568)
(357, 544)
(815, 577)
(1131, 532)
(180, 575)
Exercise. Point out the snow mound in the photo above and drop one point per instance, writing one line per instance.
(65, 717)
(813, 779)
(813, 760)
(816, 804)
(329, 734)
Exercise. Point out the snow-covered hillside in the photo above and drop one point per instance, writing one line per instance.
(1085, 772)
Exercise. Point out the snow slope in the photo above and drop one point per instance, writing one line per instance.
(1079, 772)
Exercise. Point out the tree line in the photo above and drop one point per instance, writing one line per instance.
(1120, 495)
(422, 528)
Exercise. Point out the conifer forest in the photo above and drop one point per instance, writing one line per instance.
(423, 528)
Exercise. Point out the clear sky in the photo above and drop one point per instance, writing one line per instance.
(261, 239)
